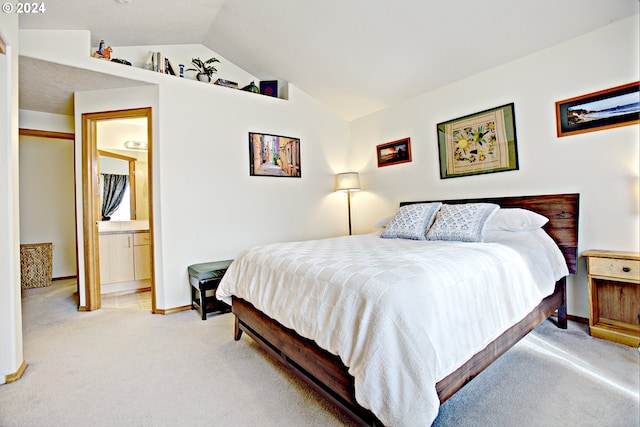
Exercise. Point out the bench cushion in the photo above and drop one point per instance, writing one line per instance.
(208, 270)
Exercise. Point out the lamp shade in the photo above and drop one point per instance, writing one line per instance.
(348, 181)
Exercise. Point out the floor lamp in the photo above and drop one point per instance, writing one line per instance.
(348, 181)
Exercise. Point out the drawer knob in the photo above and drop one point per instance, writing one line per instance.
(626, 269)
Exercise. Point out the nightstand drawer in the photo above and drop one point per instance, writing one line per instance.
(611, 267)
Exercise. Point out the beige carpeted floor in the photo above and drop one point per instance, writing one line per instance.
(124, 366)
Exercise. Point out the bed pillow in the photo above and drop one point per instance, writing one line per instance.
(383, 222)
(462, 223)
(515, 219)
(411, 221)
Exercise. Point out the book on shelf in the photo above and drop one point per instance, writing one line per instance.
(156, 61)
(149, 62)
(158, 65)
(226, 83)
(170, 69)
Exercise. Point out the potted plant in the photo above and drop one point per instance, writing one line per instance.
(204, 68)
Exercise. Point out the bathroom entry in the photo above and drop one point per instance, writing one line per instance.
(117, 200)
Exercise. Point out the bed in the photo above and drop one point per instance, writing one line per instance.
(375, 374)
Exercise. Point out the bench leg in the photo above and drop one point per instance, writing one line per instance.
(203, 303)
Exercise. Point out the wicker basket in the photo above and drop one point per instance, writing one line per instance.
(35, 265)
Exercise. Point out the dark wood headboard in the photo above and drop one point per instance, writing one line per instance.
(561, 209)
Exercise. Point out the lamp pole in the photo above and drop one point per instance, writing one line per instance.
(349, 209)
(348, 181)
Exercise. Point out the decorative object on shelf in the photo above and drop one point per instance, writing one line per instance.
(226, 83)
(269, 87)
(618, 106)
(479, 143)
(348, 181)
(102, 51)
(251, 87)
(106, 52)
(274, 155)
(205, 69)
(394, 152)
(121, 61)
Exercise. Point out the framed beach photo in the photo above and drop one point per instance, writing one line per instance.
(478, 143)
(394, 152)
(618, 106)
(274, 155)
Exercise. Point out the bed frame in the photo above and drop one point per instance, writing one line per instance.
(326, 373)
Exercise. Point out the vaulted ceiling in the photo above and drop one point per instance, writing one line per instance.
(355, 56)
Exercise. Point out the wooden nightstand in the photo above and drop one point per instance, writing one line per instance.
(614, 295)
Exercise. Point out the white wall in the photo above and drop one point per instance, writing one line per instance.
(38, 120)
(601, 166)
(47, 199)
(206, 206)
(11, 352)
(111, 100)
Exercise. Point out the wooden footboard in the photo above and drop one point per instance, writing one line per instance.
(326, 373)
(456, 380)
(318, 368)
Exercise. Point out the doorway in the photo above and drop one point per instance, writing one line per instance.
(92, 201)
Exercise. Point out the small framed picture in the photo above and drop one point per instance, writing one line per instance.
(269, 88)
(618, 106)
(274, 155)
(483, 142)
(394, 152)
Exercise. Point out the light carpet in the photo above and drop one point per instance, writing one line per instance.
(127, 367)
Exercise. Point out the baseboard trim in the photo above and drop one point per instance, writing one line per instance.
(578, 319)
(63, 278)
(172, 310)
(574, 318)
(17, 375)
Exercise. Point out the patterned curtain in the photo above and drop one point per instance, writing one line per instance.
(113, 189)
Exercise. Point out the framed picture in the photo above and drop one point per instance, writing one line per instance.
(618, 106)
(274, 155)
(479, 143)
(269, 87)
(394, 152)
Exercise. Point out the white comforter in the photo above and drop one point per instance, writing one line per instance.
(401, 314)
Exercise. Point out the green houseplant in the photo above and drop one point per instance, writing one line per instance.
(204, 68)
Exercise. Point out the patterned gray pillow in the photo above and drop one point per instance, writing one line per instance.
(462, 223)
(411, 221)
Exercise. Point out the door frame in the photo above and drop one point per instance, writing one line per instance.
(91, 197)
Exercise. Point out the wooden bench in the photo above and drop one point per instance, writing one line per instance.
(204, 280)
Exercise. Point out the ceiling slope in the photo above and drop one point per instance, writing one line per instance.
(355, 56)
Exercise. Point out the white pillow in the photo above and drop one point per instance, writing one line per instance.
(516, 219)
(383, 222)
(461, 223)
(411, 221)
